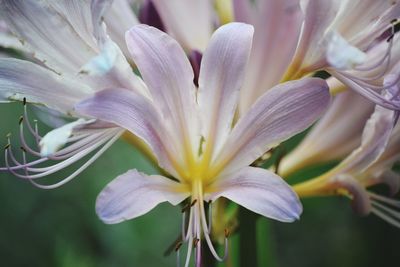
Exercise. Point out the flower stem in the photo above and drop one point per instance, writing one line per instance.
(248, 238)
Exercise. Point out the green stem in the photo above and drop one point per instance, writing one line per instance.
(248, 238)
(208, 259)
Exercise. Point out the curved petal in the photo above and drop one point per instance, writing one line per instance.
(260, 191)
(334, 136)
(119, 19)
(136, 114)
(221, 76)
(277, 28)
(319, 14)
(169, 76)
(280, 113)
(19, 79)
(47, 33)
(375, 137)
(133, 194)
(178, 17)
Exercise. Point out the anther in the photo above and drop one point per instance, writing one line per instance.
(227, 232)
(393, 21)
(390, 38)
(7, 146)
(8, 135)
(195, 242)
(23, 149)
(193, 202)
(21, 119)
(24, 101)
(185, 208)
(178, 246)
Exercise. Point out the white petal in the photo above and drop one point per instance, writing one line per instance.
(119, 19)
(133, 194)
(221, 76)
(47, 33)
(260, 191)
(19, 79)
(341, 55)
(57, 138)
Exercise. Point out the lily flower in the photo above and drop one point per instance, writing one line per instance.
(76, 59)
(192, 133)
(366, 166)
(350, 40)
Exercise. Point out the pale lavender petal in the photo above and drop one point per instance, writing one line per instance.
(335, 135)
(136, 114)
(244, 11)
(133, 194)
(168, 74)
(221, 76)
(360, 202)
(178, 17)
(319, 14)
(19, 79)
(119, 19)
(47, 33)
(279, 114)
(260, 191)
(375, 137)
(277, 28)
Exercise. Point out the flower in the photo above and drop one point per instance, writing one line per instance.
(368, 165)
(190, 131)
(353, 41)
(74, 59)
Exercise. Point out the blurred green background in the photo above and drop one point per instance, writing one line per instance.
(60, 228)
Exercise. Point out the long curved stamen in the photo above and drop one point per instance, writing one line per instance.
(367, 92)
(207, 236)
(83, 142)
(61, 165)
(384, 208)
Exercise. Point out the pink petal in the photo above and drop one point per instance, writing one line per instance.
(277, 28)
(136, 114)
(169, 76)
(133, 194)
(221, 76)
(282, 112)
(260, 191)
(189, 21)
(319, 14)
(19, 79)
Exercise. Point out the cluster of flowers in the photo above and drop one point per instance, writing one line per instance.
(221, 83)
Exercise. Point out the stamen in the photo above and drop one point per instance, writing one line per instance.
(178, 246)
(195, 242)
(226, 232)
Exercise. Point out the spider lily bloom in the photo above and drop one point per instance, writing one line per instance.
(340, 37)
(79, 59)
(338, 132)
(368, 165)
(190, 131)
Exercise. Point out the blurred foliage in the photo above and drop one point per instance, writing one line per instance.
(59, 228)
